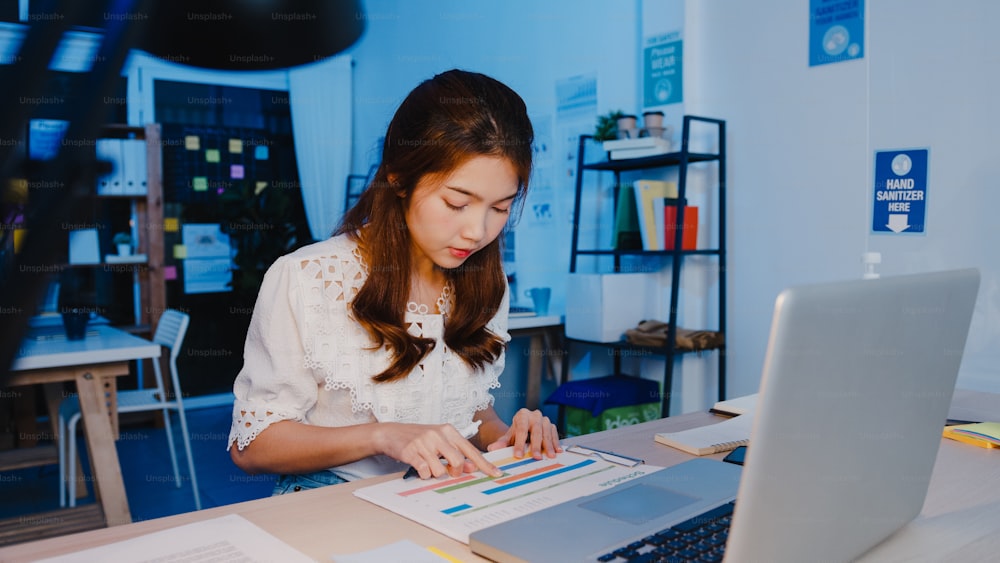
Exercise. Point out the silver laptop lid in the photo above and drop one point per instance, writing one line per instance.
(856, 385)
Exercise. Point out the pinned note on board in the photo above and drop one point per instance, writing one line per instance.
(236, 171)
(180, 252)
(192, 142)
(171, 224)
(260, 152)
(199, 183)
(212, 155)
(236, 146)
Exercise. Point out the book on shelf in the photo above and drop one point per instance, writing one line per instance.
(622, 149)
(626, 234)
(637, 144)
(646, 193)
(982, 434)
(712, 439)
(689, 236)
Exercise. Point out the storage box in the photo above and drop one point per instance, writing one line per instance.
(600, 307)
(605, 403)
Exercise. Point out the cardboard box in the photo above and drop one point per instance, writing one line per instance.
(600, 307)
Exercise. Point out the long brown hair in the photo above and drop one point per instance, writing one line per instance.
(442, 123)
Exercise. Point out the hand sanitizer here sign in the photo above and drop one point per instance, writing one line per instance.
(900, 194)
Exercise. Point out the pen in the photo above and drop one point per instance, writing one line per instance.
(411, 472)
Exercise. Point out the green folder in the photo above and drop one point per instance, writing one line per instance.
(626, 234)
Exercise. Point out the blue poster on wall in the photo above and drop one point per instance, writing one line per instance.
(836, 31)
(900, 196)
(663, 69)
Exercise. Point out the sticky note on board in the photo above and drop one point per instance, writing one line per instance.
(180, 252)
(199, 183)
(259, 187)
(236, 171)
(171, 224)
(192, 142)
(260, 152)
(236, 146)
(212, 155)
(170, 272)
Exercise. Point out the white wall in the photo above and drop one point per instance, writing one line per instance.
(801, 142)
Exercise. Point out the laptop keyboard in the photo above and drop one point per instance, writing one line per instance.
(702, 538)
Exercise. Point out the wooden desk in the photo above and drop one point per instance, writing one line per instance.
(958, 521)
(546, 334)
(47, 357)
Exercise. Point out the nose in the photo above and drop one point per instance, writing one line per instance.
(474, 227)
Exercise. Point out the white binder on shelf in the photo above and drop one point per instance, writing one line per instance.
(112, 183)
(134, 152)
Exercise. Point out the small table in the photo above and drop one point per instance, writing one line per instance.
(47, 357)
(545, 333)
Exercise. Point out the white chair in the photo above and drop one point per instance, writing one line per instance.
(170, 332)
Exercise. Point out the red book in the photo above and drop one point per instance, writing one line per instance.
(690, 227)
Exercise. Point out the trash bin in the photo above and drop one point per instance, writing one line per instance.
(604, 403)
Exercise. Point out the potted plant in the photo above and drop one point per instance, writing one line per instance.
(607, 126)
(123, 241)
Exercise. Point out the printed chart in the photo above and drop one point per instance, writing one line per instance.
(459, 506)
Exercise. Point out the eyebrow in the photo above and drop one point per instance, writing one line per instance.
(477, 197)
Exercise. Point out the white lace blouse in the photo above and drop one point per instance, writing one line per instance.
(307, 360)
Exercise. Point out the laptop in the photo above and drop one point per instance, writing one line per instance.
(856, 384)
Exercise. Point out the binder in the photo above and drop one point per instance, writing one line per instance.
(134, 156)
(646, 192)
(714, 438)
(112, 183)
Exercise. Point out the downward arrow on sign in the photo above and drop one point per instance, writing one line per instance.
(898, 223)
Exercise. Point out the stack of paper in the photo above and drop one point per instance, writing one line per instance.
(982, 434)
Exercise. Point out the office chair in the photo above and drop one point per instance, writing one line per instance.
(170, 332)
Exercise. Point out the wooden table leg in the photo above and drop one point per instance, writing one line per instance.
(100, 434)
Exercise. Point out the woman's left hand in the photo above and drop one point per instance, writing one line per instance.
(532, 429)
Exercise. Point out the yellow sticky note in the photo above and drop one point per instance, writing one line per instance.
(212, 155)
(171, 224)
(180, 252)
(259, 187)
(199, 183)
(192, 142)
(19, 239)
(236, 146)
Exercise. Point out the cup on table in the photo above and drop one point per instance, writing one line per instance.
(75, 323)
(540, 296)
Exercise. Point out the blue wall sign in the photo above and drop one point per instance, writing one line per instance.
(900, 195)
(663, 70)
(836, 31)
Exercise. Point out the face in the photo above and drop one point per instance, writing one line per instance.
(454, 215)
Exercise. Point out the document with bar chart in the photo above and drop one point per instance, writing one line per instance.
(458, 506)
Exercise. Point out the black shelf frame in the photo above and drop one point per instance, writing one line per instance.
(681, 159)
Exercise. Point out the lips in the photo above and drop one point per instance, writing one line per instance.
(460, 253)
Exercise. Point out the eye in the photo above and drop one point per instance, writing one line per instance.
(502, 210)
(454, 207)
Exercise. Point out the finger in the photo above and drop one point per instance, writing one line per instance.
(475, 457)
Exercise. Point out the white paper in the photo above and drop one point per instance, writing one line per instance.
(456, 507)
(228, 538)
(404, 550)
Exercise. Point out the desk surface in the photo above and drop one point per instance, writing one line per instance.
(48, 347)
(958, 522)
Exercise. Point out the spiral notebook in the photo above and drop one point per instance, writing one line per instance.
(704, 440)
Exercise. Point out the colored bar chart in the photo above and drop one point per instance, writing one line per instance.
(458, 506)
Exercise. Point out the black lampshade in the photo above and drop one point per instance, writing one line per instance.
(251, 34)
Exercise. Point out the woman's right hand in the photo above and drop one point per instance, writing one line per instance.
(432, 449)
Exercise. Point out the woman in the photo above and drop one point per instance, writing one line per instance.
(377, 349)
